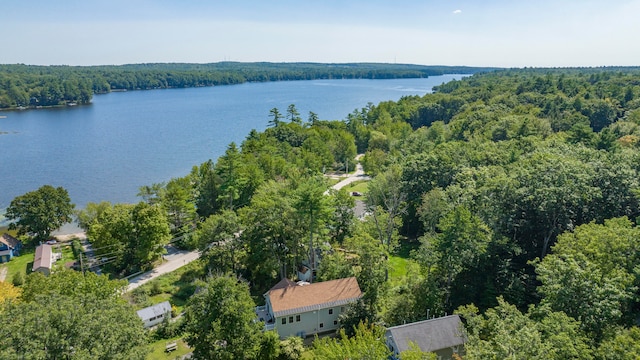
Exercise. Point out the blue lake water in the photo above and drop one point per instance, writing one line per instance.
(107, 150)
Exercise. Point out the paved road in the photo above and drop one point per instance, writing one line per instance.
(352, 177)
(174, 260)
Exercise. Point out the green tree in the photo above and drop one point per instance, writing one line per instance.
(178, 203)
(72, 284)
(90, 213)
(40, 211)
(342, 216)
(367, 343)
(231, 178)
(70, 316)
(218, 239)
(313, 206)
(590, 276)
(385, 193)
(130, 237)
(150, 235)
(503, 332)
(291, 348)
(206, 188)
(460, 244)
(371, 267)
(313, 118)
(625, 345)
(276, 117)
(293, 115)
(220, 321)
(415, 353)
(272, 235)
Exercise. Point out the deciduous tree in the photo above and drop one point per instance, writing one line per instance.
(41, 211)
(220, 320)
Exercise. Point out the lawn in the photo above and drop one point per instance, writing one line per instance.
(176, 287)
(361, 186)
(400, 261)
(158, 350)
(22, 263)
(67, 255)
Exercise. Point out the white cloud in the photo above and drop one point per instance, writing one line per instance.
(456, 12)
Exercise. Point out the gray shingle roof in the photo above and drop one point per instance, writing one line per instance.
(155, 310)
(430, 335)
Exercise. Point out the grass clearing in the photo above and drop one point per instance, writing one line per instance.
(158, 349)
(361, 186)
(22, 263)
(175, 287)
(67, 255)
(400, 261)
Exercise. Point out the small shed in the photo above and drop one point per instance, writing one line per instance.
(154, 315)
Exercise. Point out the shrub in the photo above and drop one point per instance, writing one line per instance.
(18, 279)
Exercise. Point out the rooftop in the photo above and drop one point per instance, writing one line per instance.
(42, 257)
(430, 335)
(293, 298)
(154, 310)
(9, 240)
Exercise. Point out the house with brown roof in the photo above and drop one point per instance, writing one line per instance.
(442, 336)
(44, 259)
(9, 247)
(303, 309)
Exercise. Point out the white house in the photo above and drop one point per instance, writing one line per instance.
(154, 315)
(303, 309)
(442, 336)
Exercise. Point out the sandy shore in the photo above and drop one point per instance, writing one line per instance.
(67, 237)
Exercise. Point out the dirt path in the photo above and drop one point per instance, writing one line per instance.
(3, 273)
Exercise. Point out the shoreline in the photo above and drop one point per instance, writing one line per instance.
(68, 237)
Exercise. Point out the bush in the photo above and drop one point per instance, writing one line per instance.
(140, 296)
(18, 279)
(168, 329)
(76, 247)
(156, 288)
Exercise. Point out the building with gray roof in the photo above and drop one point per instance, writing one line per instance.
(443, 336)
(154, 315)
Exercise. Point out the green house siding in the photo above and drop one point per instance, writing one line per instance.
(308, 323)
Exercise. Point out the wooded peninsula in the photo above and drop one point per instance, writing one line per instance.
(510, 198)
(31, 86)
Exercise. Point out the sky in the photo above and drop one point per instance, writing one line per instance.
(501, 33)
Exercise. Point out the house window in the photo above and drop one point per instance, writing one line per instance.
(335, 322)
(321, 325)
(290, 319)
(297, 318)
(284, 321)
(341, 309)
(330, 311)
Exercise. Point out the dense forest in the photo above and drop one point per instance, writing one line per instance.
(509, 197)
(24, 86)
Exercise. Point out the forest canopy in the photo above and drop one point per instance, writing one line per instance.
(25, 86)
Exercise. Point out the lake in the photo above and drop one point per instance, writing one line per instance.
(123, 140)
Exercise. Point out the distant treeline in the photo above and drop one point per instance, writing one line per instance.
(23, 86)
